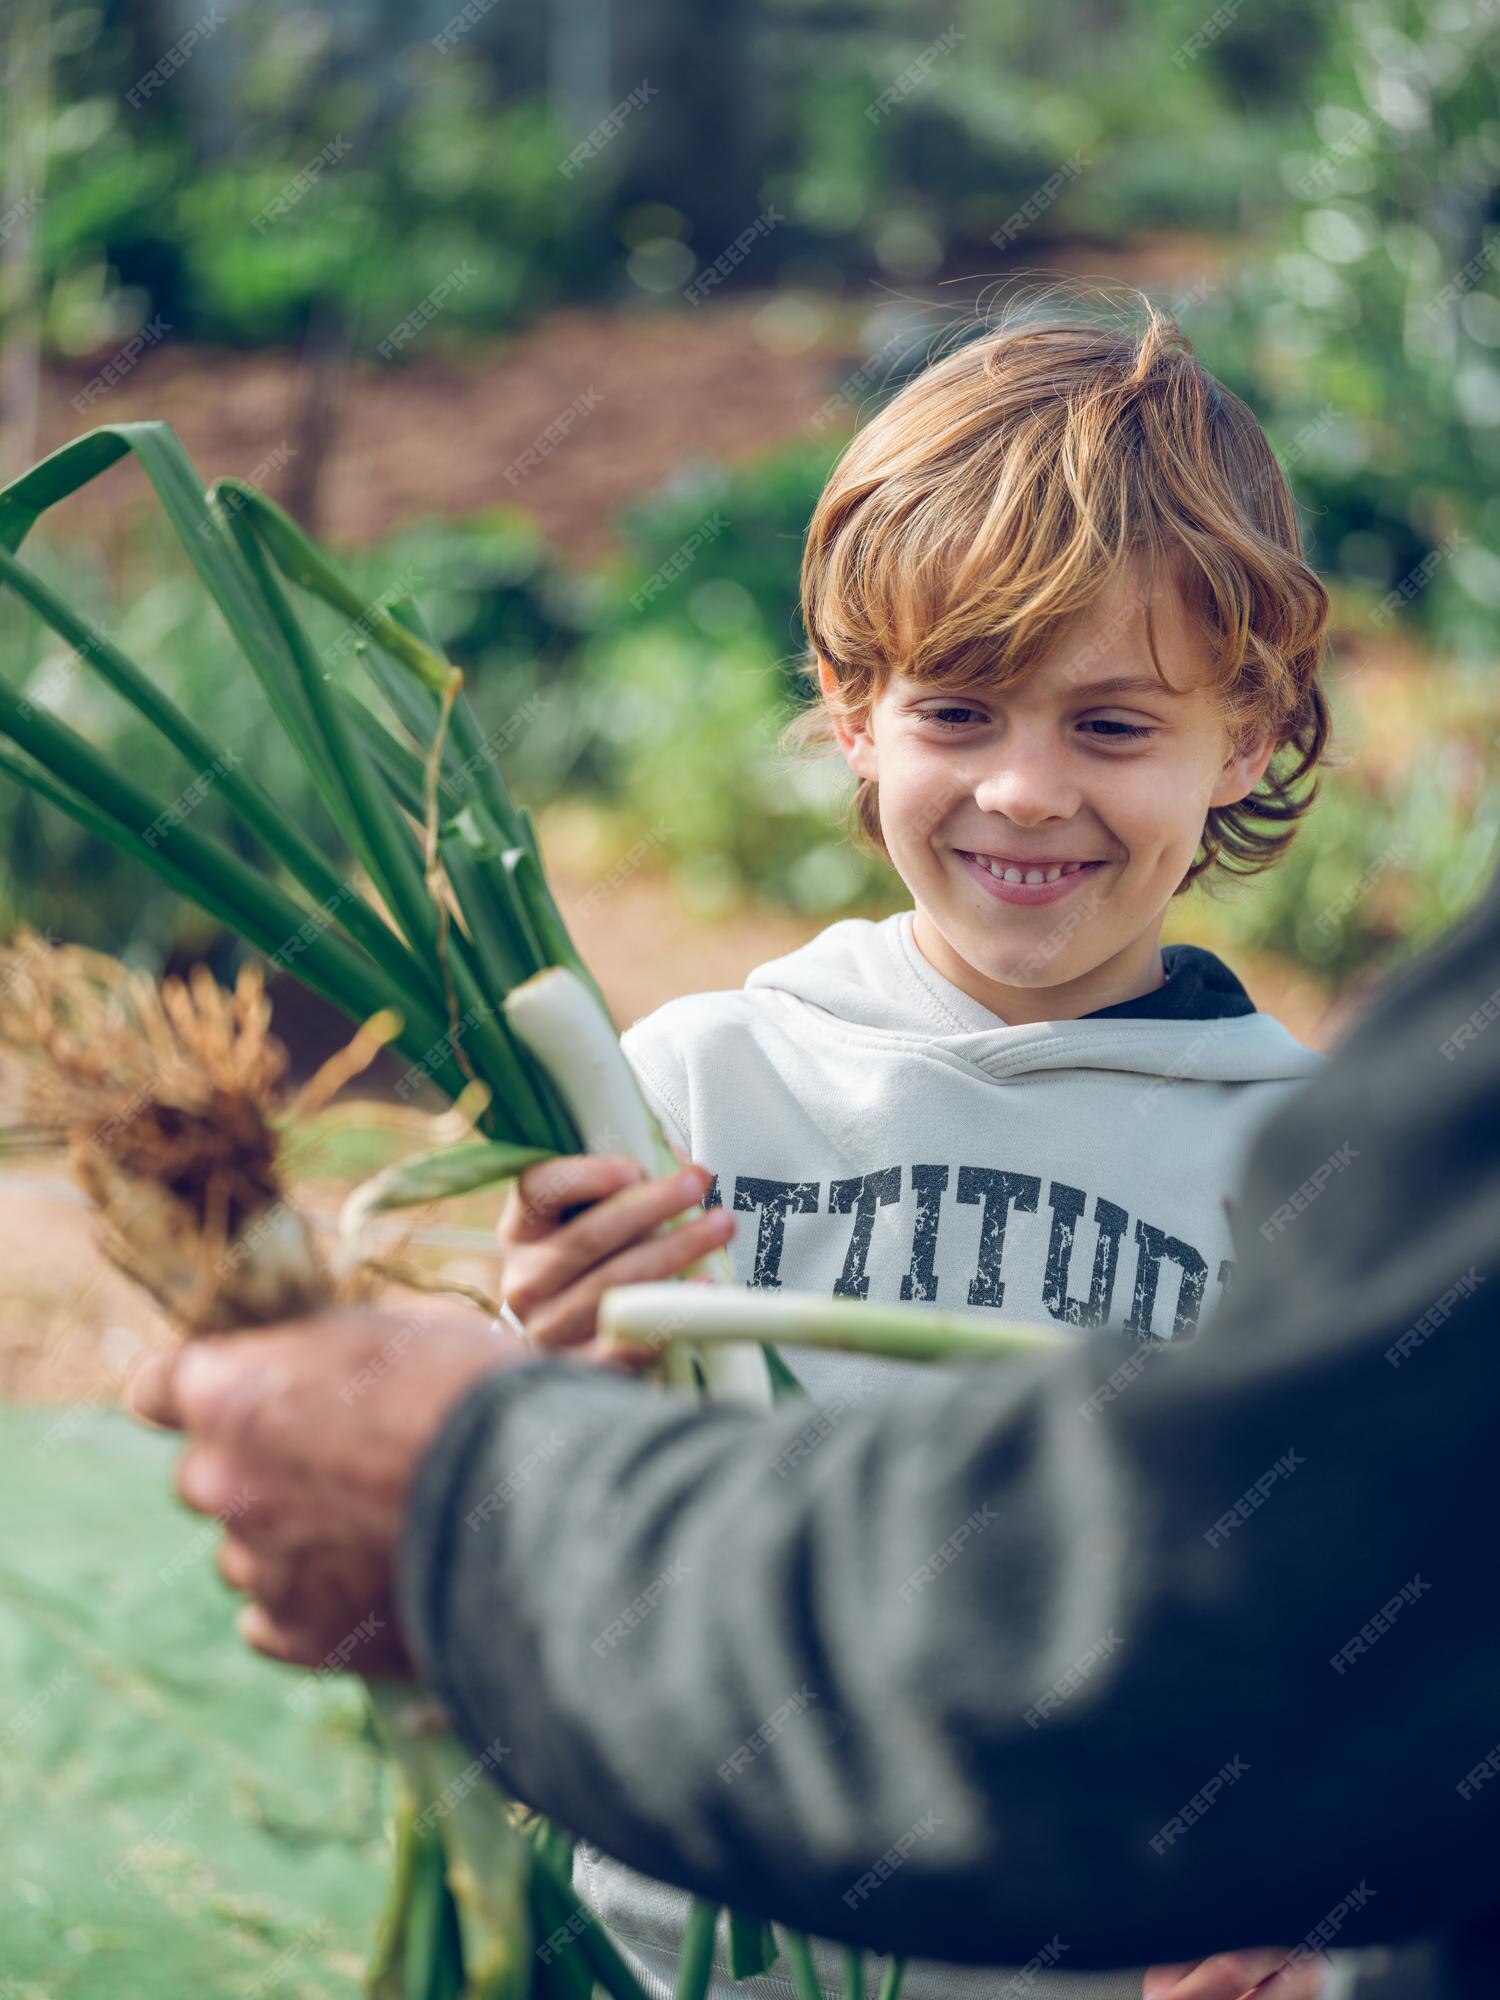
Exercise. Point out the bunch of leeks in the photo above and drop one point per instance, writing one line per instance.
(438, 921)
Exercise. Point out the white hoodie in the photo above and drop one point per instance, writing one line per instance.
(882, 1135)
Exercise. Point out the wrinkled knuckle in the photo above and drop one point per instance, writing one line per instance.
(1237, 1971)
(260, 1409)
(225, 1418)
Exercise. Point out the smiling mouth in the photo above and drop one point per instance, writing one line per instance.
(1033, 873)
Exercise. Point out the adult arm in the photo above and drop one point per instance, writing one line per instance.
(1041, 1653)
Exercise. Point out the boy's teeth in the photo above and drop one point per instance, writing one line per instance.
(1033, 875)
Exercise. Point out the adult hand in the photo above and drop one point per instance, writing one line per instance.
(303, 1441)
(1265, 1974)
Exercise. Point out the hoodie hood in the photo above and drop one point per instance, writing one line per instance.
(871, 979)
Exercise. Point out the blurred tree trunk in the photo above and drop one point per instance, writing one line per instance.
(322, 391)
(697, 143)
(580, 63)
(334, 326)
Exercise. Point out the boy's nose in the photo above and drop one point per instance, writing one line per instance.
(1029, 791)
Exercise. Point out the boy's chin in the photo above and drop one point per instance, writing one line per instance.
(1030, 964)
(1027, 949)
(1027, 972)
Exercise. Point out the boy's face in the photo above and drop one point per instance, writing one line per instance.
(1112, 783)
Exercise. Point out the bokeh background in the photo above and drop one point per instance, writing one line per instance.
(557, 315)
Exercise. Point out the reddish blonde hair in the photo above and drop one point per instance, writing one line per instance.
(994, 497)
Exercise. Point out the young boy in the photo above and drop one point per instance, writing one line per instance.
(1061, 627)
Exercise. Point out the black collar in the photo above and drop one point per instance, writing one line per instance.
(1199, 987)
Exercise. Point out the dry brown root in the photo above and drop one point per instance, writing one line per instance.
(169, 1100)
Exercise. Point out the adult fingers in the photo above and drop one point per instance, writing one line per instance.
(1162, 1980)
(264, 1634)
(230, 1393)
(215, 1382)
(1298, 1978)
(207, 1480)
(1267, 1973)
(151, 1393)
(238, 1565)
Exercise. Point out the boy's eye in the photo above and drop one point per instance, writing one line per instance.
(950, 718)
(1112, 731)
(1118, 732)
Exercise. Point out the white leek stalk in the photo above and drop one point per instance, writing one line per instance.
(662, 1314)
(564, 1026)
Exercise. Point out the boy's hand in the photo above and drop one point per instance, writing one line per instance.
(1267, 1973)
(576, 1225)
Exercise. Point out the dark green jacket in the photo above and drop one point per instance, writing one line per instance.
(1141, 1651)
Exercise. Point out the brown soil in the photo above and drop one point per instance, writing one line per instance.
(442, 436)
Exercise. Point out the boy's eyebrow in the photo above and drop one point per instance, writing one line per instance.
(1127, 684)
(981, 686)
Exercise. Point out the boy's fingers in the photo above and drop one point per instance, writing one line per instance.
(619, 1355)
(547, 1189)
(582, 1243)
(572, 1318)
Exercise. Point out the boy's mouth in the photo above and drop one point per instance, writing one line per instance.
(1026, 882)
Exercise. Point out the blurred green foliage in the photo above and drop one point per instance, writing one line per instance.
(336, 194)
(907, 139)
(330, 169)
(690, 673)
(301, 157)
(1339, 168)
(1382, 865)
(1366, 336)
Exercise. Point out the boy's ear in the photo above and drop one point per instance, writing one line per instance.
(1244, 768)
(855, 740)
